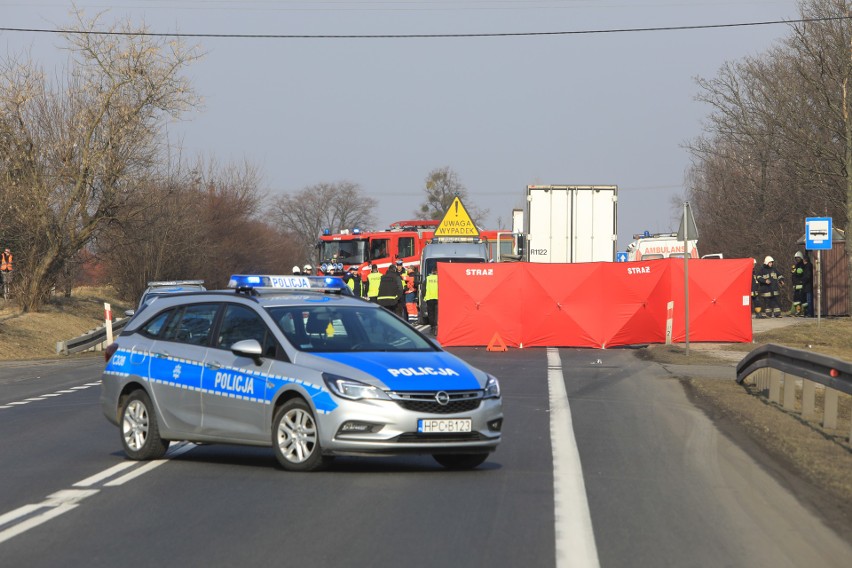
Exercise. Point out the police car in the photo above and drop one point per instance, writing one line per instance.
(298, 364)
(158, 288)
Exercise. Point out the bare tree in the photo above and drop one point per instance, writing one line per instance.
(778, 143)
(442, 186)
(333, 206)
(74, 155)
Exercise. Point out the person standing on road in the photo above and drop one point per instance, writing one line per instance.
(308, 269)
(390, 290)
(373, 280)
(770, 283)
(797, 278)
(353, 280)
(297, 271)
(756, 303)
(809, 285)
(6, 270)
(430, 296)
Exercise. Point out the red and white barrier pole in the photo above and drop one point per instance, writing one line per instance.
(108, 322)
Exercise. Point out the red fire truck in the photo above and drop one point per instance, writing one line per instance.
(403, 239)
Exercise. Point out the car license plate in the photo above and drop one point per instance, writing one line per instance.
(443, 426)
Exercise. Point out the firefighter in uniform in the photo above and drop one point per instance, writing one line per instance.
(373, 280)
(430, 296)
(756, 302)
(799, 275)
(390, 291)
(769, 286)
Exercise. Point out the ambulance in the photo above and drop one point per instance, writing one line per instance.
(647, 246)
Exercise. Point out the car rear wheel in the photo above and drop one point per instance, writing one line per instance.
(460, 461)
(295, 437)
(140, 435)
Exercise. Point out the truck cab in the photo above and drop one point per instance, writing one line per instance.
(436, 253)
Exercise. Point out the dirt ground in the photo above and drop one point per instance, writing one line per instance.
(813, 463)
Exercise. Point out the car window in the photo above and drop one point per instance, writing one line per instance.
(346, 328)
(192, 324)
(153, 327)
(240, 323)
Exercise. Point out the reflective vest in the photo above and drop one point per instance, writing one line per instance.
(431, 288)
(6, 261)
(373, 284)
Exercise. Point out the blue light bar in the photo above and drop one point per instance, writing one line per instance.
(288, 282)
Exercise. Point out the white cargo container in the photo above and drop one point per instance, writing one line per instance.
(571, 223)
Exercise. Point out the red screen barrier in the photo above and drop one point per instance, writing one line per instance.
(597, 304)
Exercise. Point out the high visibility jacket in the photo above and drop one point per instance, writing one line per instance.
(373, 284)
(431, 292)
(6, 261)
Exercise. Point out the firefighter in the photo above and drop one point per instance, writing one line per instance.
(756, 302)
(297, 271)
(799, 275)
(769, 287)
(373, 280)
(411, 293)
(390, 291)
(430, 296)
(307, 269)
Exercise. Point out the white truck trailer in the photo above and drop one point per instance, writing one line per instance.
(571, 223)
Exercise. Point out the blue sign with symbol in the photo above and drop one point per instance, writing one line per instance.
(621, 256)
(818, 232)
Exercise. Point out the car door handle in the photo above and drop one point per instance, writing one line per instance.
(213, 365)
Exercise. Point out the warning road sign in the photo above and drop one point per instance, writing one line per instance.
(457, 222)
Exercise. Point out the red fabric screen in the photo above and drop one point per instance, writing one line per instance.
(597, 304)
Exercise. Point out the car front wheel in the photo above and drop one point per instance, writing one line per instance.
(295, 437)
(140, 435)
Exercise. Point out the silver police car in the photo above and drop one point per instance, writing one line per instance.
(295, 363)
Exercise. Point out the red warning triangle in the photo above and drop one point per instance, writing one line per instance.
(497, 343)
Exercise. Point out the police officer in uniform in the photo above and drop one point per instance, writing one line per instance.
(353, 280)
(430, 296)
(373, 280)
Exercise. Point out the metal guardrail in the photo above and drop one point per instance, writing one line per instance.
(93, 339)
(785, 363)
(822, 369)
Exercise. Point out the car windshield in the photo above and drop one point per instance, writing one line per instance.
(335, 329)
(348, 252)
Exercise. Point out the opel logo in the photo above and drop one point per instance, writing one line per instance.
(442, 398)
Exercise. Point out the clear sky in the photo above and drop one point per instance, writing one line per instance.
(502, 112)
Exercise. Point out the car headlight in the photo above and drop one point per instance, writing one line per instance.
(352, 389)
(492, 387)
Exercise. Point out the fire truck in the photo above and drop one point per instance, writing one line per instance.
(403, 239)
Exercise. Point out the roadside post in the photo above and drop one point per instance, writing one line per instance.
(108, 322)
(686, 231)
(818, 237)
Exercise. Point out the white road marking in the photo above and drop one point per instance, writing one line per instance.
(575, 538)
(56, 504)
(50, 395)
(25, 518)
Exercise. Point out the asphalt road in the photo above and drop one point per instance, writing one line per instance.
(661, 485)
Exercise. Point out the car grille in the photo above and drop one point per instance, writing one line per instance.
(427, 403)
(415, 438)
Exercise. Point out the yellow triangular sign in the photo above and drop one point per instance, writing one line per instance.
(456, 222)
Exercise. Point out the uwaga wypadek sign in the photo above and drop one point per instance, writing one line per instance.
(457, 222)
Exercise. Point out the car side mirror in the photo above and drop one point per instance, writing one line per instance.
(248, 348)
